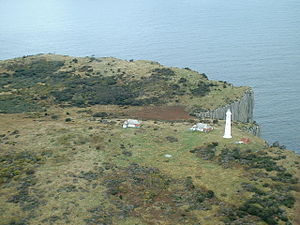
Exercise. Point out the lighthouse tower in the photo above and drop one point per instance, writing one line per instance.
(227, 133)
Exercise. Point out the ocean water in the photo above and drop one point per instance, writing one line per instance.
(254, 43)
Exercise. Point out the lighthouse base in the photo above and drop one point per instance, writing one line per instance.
(227, 136)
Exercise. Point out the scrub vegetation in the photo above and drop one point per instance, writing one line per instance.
(65, 158)
(92, 171)
(34, 83)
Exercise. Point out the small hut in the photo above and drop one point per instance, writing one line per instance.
(132, 124)
(203, 127)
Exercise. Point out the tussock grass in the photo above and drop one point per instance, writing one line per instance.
(78, 156)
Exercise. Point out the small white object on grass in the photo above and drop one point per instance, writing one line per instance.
(168, 156)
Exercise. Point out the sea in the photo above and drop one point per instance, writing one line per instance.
(247, 43)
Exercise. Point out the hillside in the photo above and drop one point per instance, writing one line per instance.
(65, 158)
(33, 83)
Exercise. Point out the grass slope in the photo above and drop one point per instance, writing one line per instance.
(33, 83)
(91, 171)
(65, 159)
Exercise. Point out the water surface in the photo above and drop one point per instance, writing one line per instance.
(255, 43)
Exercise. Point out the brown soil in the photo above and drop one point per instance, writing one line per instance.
(162, 113)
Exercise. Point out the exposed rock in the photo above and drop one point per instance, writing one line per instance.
(254, 129)
(242, 110)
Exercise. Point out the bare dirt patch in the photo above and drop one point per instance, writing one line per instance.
(162, 113)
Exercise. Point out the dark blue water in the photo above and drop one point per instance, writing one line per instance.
(255, 43)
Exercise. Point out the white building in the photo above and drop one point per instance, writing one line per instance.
(202, 127)
(132, 124)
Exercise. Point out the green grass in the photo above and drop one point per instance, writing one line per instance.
(53, 79)
(72, 150)
(92, 170)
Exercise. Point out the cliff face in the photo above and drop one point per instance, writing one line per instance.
(251, 128)
(255, 130)
(242, 111)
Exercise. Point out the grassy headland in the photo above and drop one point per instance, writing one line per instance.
(34, 82)
(65, 158)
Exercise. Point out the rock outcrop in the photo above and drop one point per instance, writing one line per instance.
(255, 130)
(252, 128)
(242, 110)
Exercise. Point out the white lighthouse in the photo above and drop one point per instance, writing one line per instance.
(227, 133)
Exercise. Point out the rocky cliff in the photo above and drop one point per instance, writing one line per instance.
(242, 111)
(252, 128)
(255, 130)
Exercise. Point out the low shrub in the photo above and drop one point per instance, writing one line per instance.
(101, 114)
(202, 89)
(206, 152)
(68, 120)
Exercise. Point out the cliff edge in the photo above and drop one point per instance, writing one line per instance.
(66, 159)
(242, 111)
